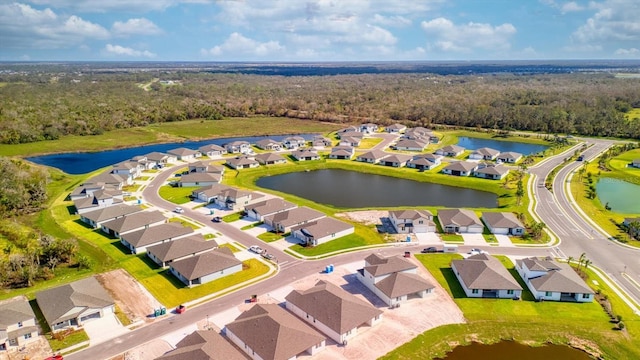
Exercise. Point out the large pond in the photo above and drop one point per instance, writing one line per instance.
(509, 350)
(351, 189)
(522, 148)
(81, 163)
(623, 197)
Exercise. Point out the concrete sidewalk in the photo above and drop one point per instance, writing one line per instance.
(474, 240)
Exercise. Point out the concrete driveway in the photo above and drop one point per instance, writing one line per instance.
(428, 238)
(103, 329)
(503, 240)
(474, 240)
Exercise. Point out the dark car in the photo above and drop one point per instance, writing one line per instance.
(216, 219)
(430, 249)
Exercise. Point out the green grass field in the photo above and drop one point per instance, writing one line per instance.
(176, 195)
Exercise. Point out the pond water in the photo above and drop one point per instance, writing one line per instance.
(81, 163)
(623, 197)
(522, 148)
(509, 350)
(351, 189)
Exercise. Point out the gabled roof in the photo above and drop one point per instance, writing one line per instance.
(294, 138)
(237, 143)
(241, 161)
(134, 221)
(264, 143)
(68, 301)
(421, 161)
(493, 170)
(89, 202)
(269, 157)
(273, 333)
(636, 162)
(304, 153)
(199, 177)
(323, 227)
(483, 271)
(396, 127)
(271, 206)
(15, 310)
(501, 220)
(509, 155)
(295, 216)
(559, 277)
(157, 233)
(333, 306)
(400, 284)
(397, 158)
(411, 214)
(452, 149)
(379, 265)
(172, 250)
(430, 157)
(111, 212)
(373, 155)
(342, 151)
(407, 143)
(211, 148)
(206, 263)
(460, 217)
(465, 166)
(485, 151)
(156, 156)
(182, 152)
(107, 178)
(125, 165)
(204, 345)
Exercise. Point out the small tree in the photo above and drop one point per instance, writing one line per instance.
(83, 262)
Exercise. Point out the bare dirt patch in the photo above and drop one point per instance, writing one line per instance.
(36, 349)
(367, 217)
(131, 297)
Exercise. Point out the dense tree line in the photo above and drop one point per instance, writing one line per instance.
(23, 187)
(46, 106)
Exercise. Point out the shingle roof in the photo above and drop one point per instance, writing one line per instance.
(204, 345)
(407, 143)
(107, 178)
(485, 151)
(509, 155)
(341, 151)
(494, 170)
(134, 221)
(172, 250)
(460, 217)
(210, 148)
(271, 206)
(264, 143)
(269, 157)
(273, 333)
(373, 155)
(396, 127)
(560, 277)
(452, 149)
(156, 156)
(111, 212)
(411, 214)
(15, 310)
(295, 216)
(397, 158)
(157, 233)
(199, 177)
(400, 284)
(379, 265)
(302, 153)
(501, 220)
(483, 271)
(333, 306)
(241, 161)
(206, 263)
(323, 227)
(465, 166)
(182, 152)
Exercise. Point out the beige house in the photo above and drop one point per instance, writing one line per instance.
(412, 221)
(484, 276)
(17, 323)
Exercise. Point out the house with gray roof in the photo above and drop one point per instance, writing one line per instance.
(212, 150)
(199, 179)
(283, 221)
(509, 157)
(484, 153)
(95, 218)
(411, 145)
(270, 159)
(115, 181)
(184, 154)
(350, 134)
(259, 210)
(342, 153)
(132, 169)
(87, 190)
(320, 141)
(320, 231)
(372, 157)
(332, 310)
(205, 267)
(269, 332)
(204, 345)
(369, 128)
(491, 172)
(269, 145)
(421, 163)
(165, 253)
(503, 223)
(484, 276)
(237, 146)
(450, 150)
(97, 200)
(227, 197)
(393, 279)
(293, 142)
(550, 280)
(460, 221)
(460, 168)
(242, 162)
(412, 221)
(17, 323)
(162, 159)
(305, 155)
(351, 141)
(73, 304)
(395, 160)
(635, 163)
(205, 167)
(132, 222)
(138, 241)
(395, 128)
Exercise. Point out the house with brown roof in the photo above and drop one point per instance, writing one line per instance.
(237, 146)
(320, 231)
(205, 267)
(205, 345)
(270, 159)
(293, 142)
(510, 157)
(395, 128)
(184, 154)
(212, 150)
(460, 221)
(269, 332)
(411, 145)
(550, 280)
(450, 150)
(372, 157)
(269, 145)
(283, 221)
(132, 222)
(351, 141)
(333, 311)
(17, 323)
(138, 241)
(491, 172)
(395, 160)
(96, 218)
(259, 210)
(205, 167)
(226, 196)
(460, 168)
(484, 153)
(484, 276)
(199, 179)
(305, 155)
(412, 221)
(165, 253)
(115, 181)
(320, 141)
(160, 159)
(342, 153)
(503, 223)
(393, 279)
(242, 162)
(73, 304)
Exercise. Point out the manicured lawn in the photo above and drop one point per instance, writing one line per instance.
(176, 195)
(230, 247)
(66, 340)
(270, 236)
(232, 217)
(343, 243)
(455, 238)
(368, 143)
(184, 222)
(250, 226)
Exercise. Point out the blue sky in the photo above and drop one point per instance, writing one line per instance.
(318, 30)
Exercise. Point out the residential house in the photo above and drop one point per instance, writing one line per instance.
(320, 141)
(460, 168)
(212, 150)
(393, 279)
(635, 163)
(226, 196)
(350, 134)
(84, 191)
(165, 253)
(131, 169)
(372, 157)
(484, 276)
(73, 304)
(259, 210)
(269, 145)
(348, 129)
(460, 221)
(98, 200)
(421, 163)
(550, 280)
(283, 221)
(305, 155)
(270, 159)
(238, 147)
(205, 167)
(269, 332)
(332, 310)
(396, 128)
(484, 153)
(491, 172)
(509, 157)
(293, 142)
(411, 145)
(138, 241)
(368, 128)
(107, 179)
(450, 150)
(199, 179)
(159, 159)
(17, 323)
(242, 162)
(143, 162)
(132, 222)
(184, 154)
(320, 231)
(204, 345)
(205, 267)
(503, 223)
(95, 218)
(396, 160)
(412, 221)
(342, 153)
(350, 141)
(419, 132)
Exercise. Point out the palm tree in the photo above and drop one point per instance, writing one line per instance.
(582, 258)
(570, 259)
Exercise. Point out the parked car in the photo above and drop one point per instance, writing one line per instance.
(256, 249)
(268, 256)
(178, 210)
(216, 219)
(180, 309)
(430, 249)
(476, 251)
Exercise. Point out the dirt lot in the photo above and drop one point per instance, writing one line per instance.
(131, 297)
(36, 349)
(374, 217)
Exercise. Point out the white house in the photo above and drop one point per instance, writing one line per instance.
(132, 222)
(293, 142)
(199, 179)
(184, 154)
(269, 145)
(284, 221)
(550, 280)
(460, 221)
(206, 267)
(412, 221)
(270, 159)
(368, 128)
(305, 155)
(492, 172)
(395, 160)
(395, 128)
(411, 145)
(259, 210)
(138, 241)
(341, 153)
(320, 231)
(484, 276)
(372, 157)
(238, 146)
(242, 162)
(212, 150)
(509, 157)
(460, 168)
(484, 153)
(503, 223)
(635, 163)
(17, 323)
(450, 150)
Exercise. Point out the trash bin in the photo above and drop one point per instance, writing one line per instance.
(407, 254)
(163, 311)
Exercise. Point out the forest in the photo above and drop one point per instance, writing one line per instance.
(39, 106)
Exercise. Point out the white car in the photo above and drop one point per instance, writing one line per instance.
(477, 251)
(256, 249)
(178, 210)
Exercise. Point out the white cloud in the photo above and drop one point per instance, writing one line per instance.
(614, 20)
(571, 6)
(140, 26)
(127, 51)
(631, 52)
(22, 26)
(115, 5)
(394, 20)
(467, 37)
(237, 46)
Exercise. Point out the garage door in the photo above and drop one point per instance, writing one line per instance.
(95, 315)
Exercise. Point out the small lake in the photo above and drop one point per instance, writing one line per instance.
(82, 163)
(522, 148)
(509, 350)
(623, 197)
(351, 189)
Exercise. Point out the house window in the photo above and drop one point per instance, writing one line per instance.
(19, 324)
(586, 296)
(474, 291)
(420, 222)
(27, 336)
(509, 292)
(548, 293)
